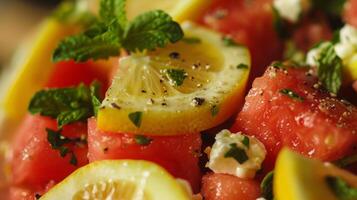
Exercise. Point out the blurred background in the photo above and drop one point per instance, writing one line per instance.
(17, 19)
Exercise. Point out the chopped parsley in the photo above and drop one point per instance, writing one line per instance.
(176, 76)
(197, 101)
(291, 94)
(135, 118)
(329, 67)
(112, 31)
(214, 110)
(266, 186)
(67, 105)
(242, 66)
(246, 141)
(142, 140)
(191, 40)
(229, 42)
(341, 189)
(278, 64)
(236, 153)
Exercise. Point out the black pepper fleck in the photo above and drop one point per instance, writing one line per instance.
(174, 55)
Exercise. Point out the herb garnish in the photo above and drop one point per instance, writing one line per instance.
(58, 142)
(236, 153)
(214, 110)
(329, 68)
(176, 76)
(242, 66)
(135, 118)
(67, 105)
(291, 94)
(340, 188)
(142, 140)
(346, 161)
(246, 141)
(229, 42)
(278, 64)
(112, 31)
(266, 186)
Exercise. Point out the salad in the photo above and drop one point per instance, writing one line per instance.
(185, 99)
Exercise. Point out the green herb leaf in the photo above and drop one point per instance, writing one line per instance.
(291, 94)
(278, 64)
(113, 10)
(246, 141)
(242, 66)
(266, 186)
(329, 68)
(341, 189)
(191, 40)
(112, 31)
(229, 42)
(95, 96)
(73, 159)
(236, 153)
(135, 118)
(142, 140)
(57, 142)
(176, 76)
(151, 30)
(214, 110)
(99, 42)
(67, 105)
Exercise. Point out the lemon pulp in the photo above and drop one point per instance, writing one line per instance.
(211, 88)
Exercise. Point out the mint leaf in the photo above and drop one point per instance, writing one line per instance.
(214, 110)
(99, 42)
(151, 30)
(95, 96)
(142, 140)
(135, 118)
(67, 105)
(229, 42)
(293, 95)
(246, 141)
(176, 76)
(266, 186)
(329, 68)
(340, 188)
(112, 31)
(236, 153)
(113, 10)
(58, 142)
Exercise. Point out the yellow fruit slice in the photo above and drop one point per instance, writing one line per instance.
(180, 10)
(187, 87)
(297, 178)
(350, 69)
(30, 68)
(118, 179)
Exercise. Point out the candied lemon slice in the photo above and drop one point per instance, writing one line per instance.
(30, 68)
(180, 10)
(187, 87)
(297, 177)
(118, 179)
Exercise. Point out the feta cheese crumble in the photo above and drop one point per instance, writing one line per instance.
(291, 9)
(236, 154)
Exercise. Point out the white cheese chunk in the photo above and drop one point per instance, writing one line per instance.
(291, 9)
(219, 163)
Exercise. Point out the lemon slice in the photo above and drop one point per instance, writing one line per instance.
(186, 87)
(297, 177)
(180, 10)
(118, 179)
(30, 68)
